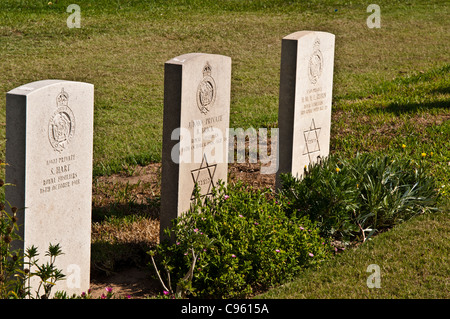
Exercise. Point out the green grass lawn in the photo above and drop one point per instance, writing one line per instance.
(122, 45)
(413, 261)
(391, 88)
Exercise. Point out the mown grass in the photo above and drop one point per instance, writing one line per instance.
(412, 111)
(391, 87)
(413, 261)
(122, 45)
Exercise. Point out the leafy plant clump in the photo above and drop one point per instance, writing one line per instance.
(16, 268)
(234, 243)
(48, 273)
(353, 199)
(10, 259)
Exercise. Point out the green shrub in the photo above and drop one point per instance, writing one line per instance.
(352, 199)
(17, 268)
(11, 260)
(238, 241)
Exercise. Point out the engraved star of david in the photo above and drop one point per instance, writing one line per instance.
(203, 177)
(311, 140)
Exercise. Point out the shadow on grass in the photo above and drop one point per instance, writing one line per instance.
(109, 256)
(401, 108)
(119, 211)
(442, 90)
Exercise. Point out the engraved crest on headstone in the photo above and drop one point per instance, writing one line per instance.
(315, 63)
(61, 127)
(206, 92)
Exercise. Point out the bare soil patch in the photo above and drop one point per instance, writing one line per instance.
(137, 193)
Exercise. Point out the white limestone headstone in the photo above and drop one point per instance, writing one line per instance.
(304, 115)
(49, 145)
(195, 130)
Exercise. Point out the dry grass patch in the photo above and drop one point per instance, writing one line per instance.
(141, 231)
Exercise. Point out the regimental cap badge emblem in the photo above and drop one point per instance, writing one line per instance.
(315, 63)
(206, 92)
(61, 127)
